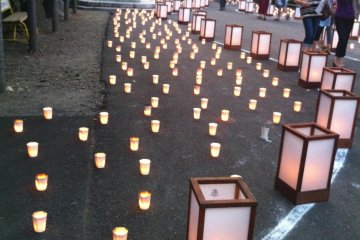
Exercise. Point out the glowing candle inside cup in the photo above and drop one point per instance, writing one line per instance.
(203, 41)
(130, 72)
(121, 39)
(252, 104)
(166, 88)
(199, 80)
(217, 55)
(83, 133)
(144, 200)
(143, 59)
(237, 91)
(212, 129)
(286, 92)
(262, 92)
(118, 49)
(39, 221)
(266, 73)
(154, 102)
(175, 72)
(248, 60)
(134, 143)
(171, 64)
(112, 79)
(220, 72)
(155, 126)
(118, 58)
(132, 54)
(124, 66)
(48, 113)
(155, 79)
(147, 111)
(32, 149)
(144, 166)
(148, 45)
(229, 65)
(276, 117)
(215, 149)
(18, 125)
(100, 159)
(214, 46)
(297, 106)
(110, 44)
(225, 115)
(258, 66)
(104, 117)
(41, 181)
(239, 80)
(199, 72)
(120, 233)
(238, 72)
(197, 113)
(242, 55)
(189, 41)
(213, 61)
(197, 90)
(192, 55)
(202, 64)
(204, 103)
(275, 81)
(133, 45)
(146, 65)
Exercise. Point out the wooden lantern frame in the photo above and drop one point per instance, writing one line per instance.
(305, 81)
(339, 113)
(242, 5)
(182, 13)
(203, 30)
(338, 78)
(169, 5)
(231, 28)
(196, 23)
(250, 7)
(176, 5)
(247, 200)
(283, 64)
(296, 195)
(255, 54)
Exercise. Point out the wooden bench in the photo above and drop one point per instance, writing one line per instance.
(16, 20)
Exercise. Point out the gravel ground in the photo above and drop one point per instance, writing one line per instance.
(64, 73)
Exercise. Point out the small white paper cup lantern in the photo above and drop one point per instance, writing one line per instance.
(130, 72)
(237, 91)
(120, 233)
(48, 113)
(258, 66)
(166, 88)
(112, 79)
(155, 79)
(286, 92)
(197, 113)
(144, 200)
(197, 89)
(275, 81)
(204, 103)
(239, 80)
(127, 87)
(41, 181)
(100, 159)
(262, 92)
(39, 221)
(266, 73)
(83, 133)
(229, 65)
(212, 129)
(32, 149)
(155, 126)
(215, 149)
(252, 104)
(147, 111)
(297, 106)
(154, 102)
(104, 117)
(225, 115)
(134, 143)
(18, 125)
(144, 166)
(276, 117)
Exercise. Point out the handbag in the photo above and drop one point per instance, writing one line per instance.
(326, 12)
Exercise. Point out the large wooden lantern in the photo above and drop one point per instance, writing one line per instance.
(207, 29)
(220, 208)
(196, 23)
(233, 36)
(270, 10)
(202, 3)
(289, 55)
(184, 15)
(337, 110)
(311, 68)
(176, 5)
(162, 11)
(260, 45)
(187, 3)
(306, 159)
(242, 5)
(338, 78)
(196, 4)
(206, 3)
(355, 32)
(249, 6)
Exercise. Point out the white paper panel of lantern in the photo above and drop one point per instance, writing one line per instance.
(196, 4)
(201, 12)
(338, 78)
(355, 31)
(335, 40)
(187, 3)
(207, 29)
(224, 202)
(306, 160)
(242, 5)
(260, 44)
(233, 36)
(311, 68)
(202, 3)
(162, 11)
(337, 110)
(297, 14)
(249, 7)
(169, 6)
(184, 15)
(270, 10)
(289, 55)
(176, 5)
(196, 22)
(206, 3)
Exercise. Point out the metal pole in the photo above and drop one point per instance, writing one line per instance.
(66, 9)
(33, 35)
(2, 57)
(75, 3)
(55, 16)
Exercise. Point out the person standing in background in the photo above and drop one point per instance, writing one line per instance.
(326, 25)
(263, 7)
(346, 10)
(222, 5)
(310, 21)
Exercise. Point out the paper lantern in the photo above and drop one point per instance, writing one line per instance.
(18, 125)
(286, 92)
(166, 88)
(39, 221)
(100, 159)
(175, 72)
(154, 102)
(229, 65)
(197, 90)
(155, 126)
(184, 15)
(144, 200)
(248, 60)
(297, 106)
(249, 6)
(276, 117)
(338, 78)
(242, 5)
(337, 110)
(169, 6)
(155, 79)
(275, 81)
(233, 36)
(132, 54)
(147, 111)
(41, 181)
(215, 149)
(355, 32)
(124, 66)
(134, 143)
(197, 113)
(219, 72)
(130, 72)
(260, 44)
(187, 3)
(212, 129)
(239, 80)
(118, 58)
(144, 166)
(242, 55)
(225, 115)
(311, 68)
(48, 113)
(262, 92)
(237, 91)
(289, 55)
(120, 233)
(266, 73)
(110, 44)
(220, 208)
(196, 4)
(162, 11)
(176, 5)
(32, 149)
(198, 80)
(143, 59)
(207, 29)
(196, 23)
(306, 160)
(258, 66)
(252, 104)
(204, 103)
(297, 14)
(83, 133)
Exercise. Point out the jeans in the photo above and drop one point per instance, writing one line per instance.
(311, 25)
(343, 27)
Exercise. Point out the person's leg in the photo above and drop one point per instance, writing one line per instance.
(342, 30)
(308, 40)
(318, 34)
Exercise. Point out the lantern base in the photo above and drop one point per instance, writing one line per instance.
(195, 32)
(164, 18)
(232, 47)
(353, 38)
(344, 143)
(305, 84)
(260, 56)
(297, 18)
(183, 22)
(287, 68)
(208, 39)
(301, 197)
